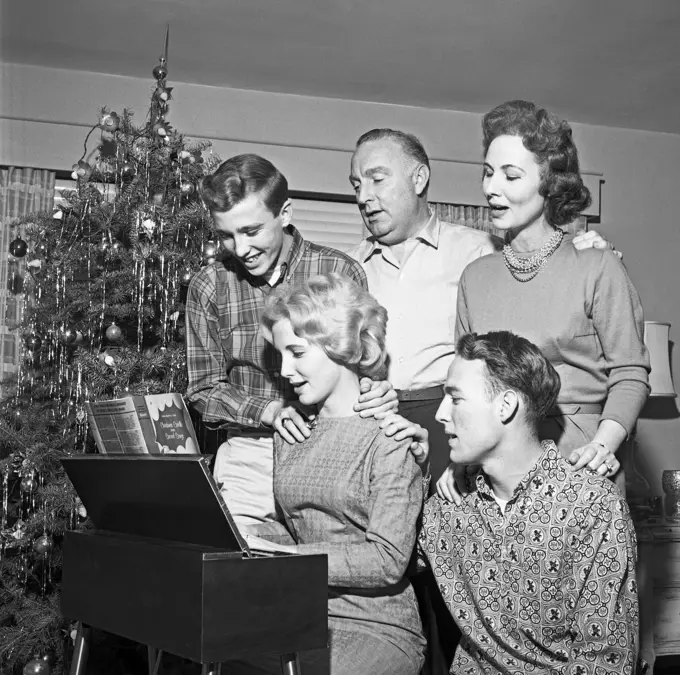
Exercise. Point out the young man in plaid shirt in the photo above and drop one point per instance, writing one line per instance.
(234, 378)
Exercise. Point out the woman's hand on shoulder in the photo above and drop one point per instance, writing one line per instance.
(400, 429)
(596, 458)
(376, 398)
(451, 484)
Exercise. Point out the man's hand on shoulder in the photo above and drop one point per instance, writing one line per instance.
(376, 398)
(291, 420)
(400, 429)
(593, 239)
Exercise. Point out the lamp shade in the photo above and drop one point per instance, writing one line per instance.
(656, 339)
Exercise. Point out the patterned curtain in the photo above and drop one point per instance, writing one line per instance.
(479, 218)
(22, 192)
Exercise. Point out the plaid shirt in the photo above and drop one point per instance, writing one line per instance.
(547, 587)
(233, 371)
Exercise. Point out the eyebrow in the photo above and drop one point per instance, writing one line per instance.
(507, 166)
(246, 228)
(451, 390)
(370, 172)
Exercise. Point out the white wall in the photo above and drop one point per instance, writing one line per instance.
(45, 114)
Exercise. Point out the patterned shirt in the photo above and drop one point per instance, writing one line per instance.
(547, 587)
(233, 371)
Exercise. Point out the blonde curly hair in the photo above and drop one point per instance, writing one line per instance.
(335, 313)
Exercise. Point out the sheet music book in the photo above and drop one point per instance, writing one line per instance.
(156, 424)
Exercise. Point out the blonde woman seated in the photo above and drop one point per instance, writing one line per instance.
(349, 490)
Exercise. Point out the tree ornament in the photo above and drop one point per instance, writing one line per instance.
(187, 187)
(160, 72)
(127, 170)
(113, 333)
(67, 336)
(186, 276)
(164, 93)
(33, 342)
(160, 129)
(41, 249)
(43, 544)
(18, 248)
(35, 264)
(37, 667)
(117, 245)
(49, 656)
(80, 339)
(81, 171)
(209, 251)
(103, 245)
(109, 121)
(58, 214)
(29, 484)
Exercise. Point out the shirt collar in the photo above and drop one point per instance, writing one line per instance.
(545, 467)
(428, 235)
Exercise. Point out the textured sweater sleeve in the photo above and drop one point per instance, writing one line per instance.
(617, 317)
(462, 314)
(395, 499)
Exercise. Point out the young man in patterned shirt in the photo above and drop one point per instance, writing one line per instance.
(537, 563)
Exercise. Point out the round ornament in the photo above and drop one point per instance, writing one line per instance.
(187, 187)
(109, 121)
(29, 484)
(67, 336)
(43, 544)
(127, 170)
(18, 248)
(185, 276)
(33, 342)
(209, 249)
(37, 667)
(160, 130)
(82, 170)
(113, 333)
(49, 656)
(160, 72)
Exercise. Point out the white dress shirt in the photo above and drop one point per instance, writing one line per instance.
(419, 293)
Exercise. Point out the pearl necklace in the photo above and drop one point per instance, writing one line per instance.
(525, 269)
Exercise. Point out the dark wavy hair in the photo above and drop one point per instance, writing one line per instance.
(337, 314)
(513, 362)
(238, 177)
(550, 140)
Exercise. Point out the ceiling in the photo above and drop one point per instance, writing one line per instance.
(610, 62)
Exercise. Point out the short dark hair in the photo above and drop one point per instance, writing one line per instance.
(241, 176)
(513, 362)
(411, 145)
(550, 139)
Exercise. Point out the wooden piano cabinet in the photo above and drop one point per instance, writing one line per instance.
(200, 604)
(167, 567)
(659, 583)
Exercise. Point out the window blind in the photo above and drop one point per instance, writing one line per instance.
(335, 224)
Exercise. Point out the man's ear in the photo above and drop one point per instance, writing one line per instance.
(421, 177)
(286, 213)
(509, 405)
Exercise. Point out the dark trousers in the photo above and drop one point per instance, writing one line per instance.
(441, 631)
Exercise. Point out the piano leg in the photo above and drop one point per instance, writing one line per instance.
(80, 649)
(290, 664)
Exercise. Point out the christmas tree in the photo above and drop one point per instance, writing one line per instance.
(102, 282)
